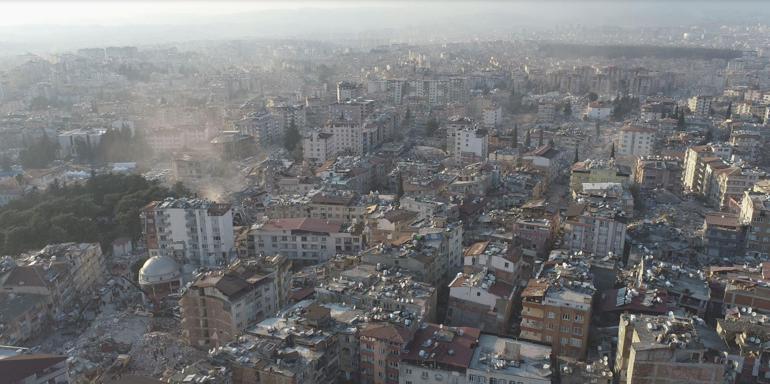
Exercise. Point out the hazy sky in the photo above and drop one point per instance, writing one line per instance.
(110, 13)
(55, 25)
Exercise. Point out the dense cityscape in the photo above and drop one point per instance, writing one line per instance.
(569, 204)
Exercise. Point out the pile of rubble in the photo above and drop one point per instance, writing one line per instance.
(157, 352)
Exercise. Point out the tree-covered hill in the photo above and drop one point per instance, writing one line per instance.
(102, 209)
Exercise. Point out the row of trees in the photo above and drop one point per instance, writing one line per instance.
(116, 145)
(104, 208)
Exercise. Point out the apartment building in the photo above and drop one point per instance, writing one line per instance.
(728, 183)
(347, 90)
(755, 215)
(656, 349)
(471, 145)
(700, 106)
(746, 144)
(334, 205)
(636, 141)
(492, 117)
(503, 360)
(455, 124)
(262, 126)
(381, 349)
(742, 292)
(479, 299)
(306, 241)
(318, 146)
(597, 171)
(536, 235)
(595, 229)
(546, 112)
(354, 111)
(598, 110)
(695, 178)
(438, 354)
(219, 304)
(556, 308)
(723, 235)
(432, 255)
(652, 172)
(198, 232)
(385, 294)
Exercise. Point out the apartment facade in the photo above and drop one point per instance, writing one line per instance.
(558, 315)
(658, 172)
(220, 304)
(196, 231)
(655, 349)
(636, 141)
(755, 215)
(597, 230)
(306, 240)
(380, 353)
(471, 145)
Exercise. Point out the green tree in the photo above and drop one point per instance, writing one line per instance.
(431, 127)
(568, 109)
(592, 96)
(39, 154)
(577, 156)
(292, 137)
(680, 122)
(597, 128)
(729, 112)
(612, 151)
(102, 209)
(515, 135)
(540, 138)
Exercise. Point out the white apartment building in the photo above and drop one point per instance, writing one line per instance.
(197, 231)
(347, 90)
(492, 117)
(599, 110)
(306, 240)
(318, 146)
(699, 105)
(635, 141)
(471, 145)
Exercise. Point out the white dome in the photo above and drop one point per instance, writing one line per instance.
(159, 269)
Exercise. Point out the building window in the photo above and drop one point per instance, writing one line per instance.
(548, 339)
(551, 315)
(564, 341)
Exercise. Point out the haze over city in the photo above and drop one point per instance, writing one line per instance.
(383, 192)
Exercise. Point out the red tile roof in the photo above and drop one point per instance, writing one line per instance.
(442, 341)
(387, 332)
(303, 224)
